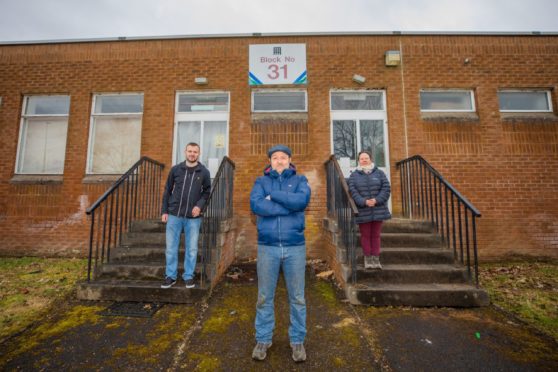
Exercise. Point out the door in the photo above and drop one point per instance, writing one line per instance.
(359, 122)
(202, 118)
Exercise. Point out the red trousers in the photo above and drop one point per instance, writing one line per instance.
(370, 237)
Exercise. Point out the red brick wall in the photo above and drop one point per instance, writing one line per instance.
(507, 169)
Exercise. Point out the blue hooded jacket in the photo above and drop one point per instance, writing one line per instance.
(279, 201)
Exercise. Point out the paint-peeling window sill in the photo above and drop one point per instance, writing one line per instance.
(279, 116)
(467, 117)
(529, 117)
(101, 178)
(41, 179)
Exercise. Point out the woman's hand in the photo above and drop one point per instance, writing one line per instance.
(371, 202)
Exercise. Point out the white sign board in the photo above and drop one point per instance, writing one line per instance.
(277, 64)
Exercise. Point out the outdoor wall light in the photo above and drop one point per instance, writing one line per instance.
(393, 58)
(200, 80)
(359, 79)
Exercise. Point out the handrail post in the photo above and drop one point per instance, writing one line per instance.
(118, 214)
(431, 192)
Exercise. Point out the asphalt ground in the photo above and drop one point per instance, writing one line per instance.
(218, 334)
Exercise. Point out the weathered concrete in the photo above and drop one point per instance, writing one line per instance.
(218, 334)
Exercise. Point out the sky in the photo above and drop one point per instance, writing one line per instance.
(25, 20)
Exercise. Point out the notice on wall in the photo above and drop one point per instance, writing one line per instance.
(277, 64)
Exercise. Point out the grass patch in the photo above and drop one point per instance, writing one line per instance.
(29, 285)
(527, 288)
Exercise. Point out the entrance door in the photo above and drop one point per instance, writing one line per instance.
(202, 118)
(359, 122)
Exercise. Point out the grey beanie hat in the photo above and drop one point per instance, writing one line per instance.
(281, 148)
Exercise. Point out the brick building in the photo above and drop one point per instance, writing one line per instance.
(481, 108)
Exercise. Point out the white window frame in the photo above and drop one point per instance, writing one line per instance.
(201, 116)
(359, 115)
(23, 128)
(89, 162)
(469, 91)
(255, 91)
(546, 91)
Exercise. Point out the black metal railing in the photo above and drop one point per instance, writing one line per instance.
(427, 195)
(217, 211)
(133, 196)
(342, 208)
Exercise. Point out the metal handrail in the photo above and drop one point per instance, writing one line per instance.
(217, 211)
(342, 208)
(426, 194)
(135, 195)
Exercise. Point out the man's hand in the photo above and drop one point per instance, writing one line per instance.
(165, 217)
(196, 211)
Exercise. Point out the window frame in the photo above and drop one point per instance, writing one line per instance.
(23, 127)
(202, 117)
(546, 91)
(471, 93)
(255, 91)
(90, 142)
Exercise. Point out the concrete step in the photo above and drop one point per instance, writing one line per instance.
(145, 270)
(393, 273)
(152, 254)
(405, 225)
(148, 226)
(415, 240)
(427, 295)
(140, 291)
(141, 239)
(154, 239)
(410, 255)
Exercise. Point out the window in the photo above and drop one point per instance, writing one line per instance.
(194, 102)
(357, 101)
(447, 101)
(525, 101)
(115, 137)
(279, 101)
(202, 118)
(42, 140)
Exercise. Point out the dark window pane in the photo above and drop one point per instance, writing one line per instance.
(357, 101)
(203, 102)
(523, 101)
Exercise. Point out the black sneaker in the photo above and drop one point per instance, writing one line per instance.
(169, 282)
(190, 283)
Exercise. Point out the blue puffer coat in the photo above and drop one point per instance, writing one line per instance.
(279, 201)
(373, 185)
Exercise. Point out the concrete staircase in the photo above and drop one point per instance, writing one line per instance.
(418, 270)
(137, 270)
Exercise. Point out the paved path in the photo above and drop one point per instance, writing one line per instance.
(219, 335)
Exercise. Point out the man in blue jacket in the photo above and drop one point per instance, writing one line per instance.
(186, 191)
(279, 199)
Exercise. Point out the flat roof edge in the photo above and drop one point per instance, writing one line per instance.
(284, 34)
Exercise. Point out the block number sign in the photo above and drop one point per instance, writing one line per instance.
(277, 64)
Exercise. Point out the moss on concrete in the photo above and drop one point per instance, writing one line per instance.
(236, 308)
(168, 333)
(75, 317)
(205, 362)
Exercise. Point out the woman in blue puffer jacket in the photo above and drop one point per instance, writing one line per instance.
(370, 190)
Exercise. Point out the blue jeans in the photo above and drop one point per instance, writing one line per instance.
(293, 261)
(191, 227)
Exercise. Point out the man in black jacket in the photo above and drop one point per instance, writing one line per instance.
(186, 192)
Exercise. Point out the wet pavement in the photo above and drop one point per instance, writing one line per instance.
(219, 335)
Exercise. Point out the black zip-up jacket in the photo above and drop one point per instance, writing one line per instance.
(184, 190)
